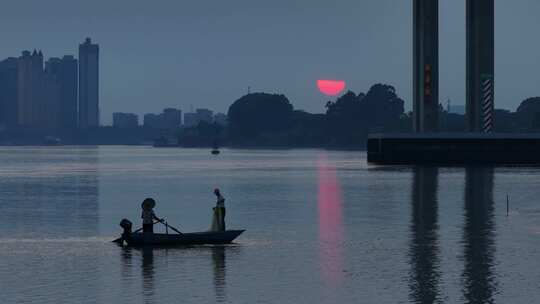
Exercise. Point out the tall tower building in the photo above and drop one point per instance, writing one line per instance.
(88, 84)
(65, 71)
(426, 65)
(30, 88)
(50, 102)
(480, 65)
(8, 92)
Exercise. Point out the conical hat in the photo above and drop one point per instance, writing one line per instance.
(148, 204)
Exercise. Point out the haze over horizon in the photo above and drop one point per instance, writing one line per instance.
(207, 53)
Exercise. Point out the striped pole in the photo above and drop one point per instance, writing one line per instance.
(487, 104)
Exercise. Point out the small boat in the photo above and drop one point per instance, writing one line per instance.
(185, 239)
(138, 239)
(52, 141)
(215, 148)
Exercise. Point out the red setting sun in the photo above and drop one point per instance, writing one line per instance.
(331, 87)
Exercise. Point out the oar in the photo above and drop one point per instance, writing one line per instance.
(120, 239)
(175, 230)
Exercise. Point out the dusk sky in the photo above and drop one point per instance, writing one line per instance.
(157, 54)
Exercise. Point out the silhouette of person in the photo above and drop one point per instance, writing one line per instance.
(218, 222)
(148, 215)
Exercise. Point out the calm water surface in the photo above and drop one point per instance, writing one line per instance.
(322, 227)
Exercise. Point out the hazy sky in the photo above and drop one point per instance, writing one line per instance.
(177, 53)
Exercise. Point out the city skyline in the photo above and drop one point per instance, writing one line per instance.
(185, 58)
(169, 118)
(58, 93)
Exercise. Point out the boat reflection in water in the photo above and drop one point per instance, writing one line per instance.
(479, 284)
(165, 265)
(330, 222)
(148, 273)
(424, 245)
(218, 260)
(146, 266)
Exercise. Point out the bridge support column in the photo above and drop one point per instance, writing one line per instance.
(480, 65)
(426, 65)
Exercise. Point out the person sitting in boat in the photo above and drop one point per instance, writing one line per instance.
(218, 220)
(148, 215)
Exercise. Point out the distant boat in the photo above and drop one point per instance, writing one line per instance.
(51, 141)
(215, 149)
(164, 142)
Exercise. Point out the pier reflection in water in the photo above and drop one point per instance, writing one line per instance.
(479, 285)
(478, 247)
(424, 246)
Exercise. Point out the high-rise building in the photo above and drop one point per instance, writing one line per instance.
(151, 120)
(191, 119)
(480, 65)
(38, 92)
(30, 88)
(8, 92)
(172, 118)
(125, 120)
(169, 119)
(200, 115)
(88, 84)
(426, 65)
(220, 119)
(49, 106)
(65, 72)
(205, 115)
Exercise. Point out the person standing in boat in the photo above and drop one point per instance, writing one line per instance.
(218, 221)
(148, 215)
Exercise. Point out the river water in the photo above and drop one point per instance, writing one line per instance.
(322, 227)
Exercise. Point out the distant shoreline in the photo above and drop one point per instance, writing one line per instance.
(236, 147)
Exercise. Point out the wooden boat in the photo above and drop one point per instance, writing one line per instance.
(52, 141)
(138, 239)
(215, 148)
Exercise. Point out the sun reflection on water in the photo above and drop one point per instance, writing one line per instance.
(330, 203)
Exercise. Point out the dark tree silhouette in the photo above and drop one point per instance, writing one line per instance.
(345, 120)
(204, 134)
(308, 130)
(528, 114)
(259, 115)
(351, 117)
(383, 108)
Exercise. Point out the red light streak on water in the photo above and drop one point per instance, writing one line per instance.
(330, 222)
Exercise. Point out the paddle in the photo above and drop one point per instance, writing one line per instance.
(174, 229)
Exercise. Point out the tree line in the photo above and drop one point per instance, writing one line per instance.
(270, 120)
